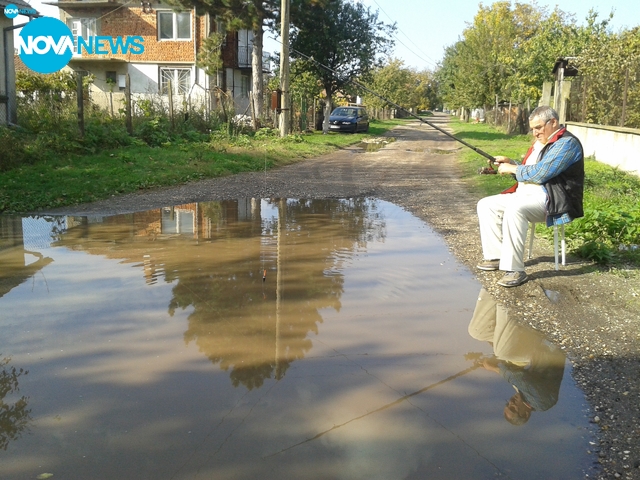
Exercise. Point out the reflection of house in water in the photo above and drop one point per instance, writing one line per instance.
(254, 282)
(188, 222)
(18, 263)
(201, 220)
(198, 220)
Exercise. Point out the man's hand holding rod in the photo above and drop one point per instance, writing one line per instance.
(506, 165)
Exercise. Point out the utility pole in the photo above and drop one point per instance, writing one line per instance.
(285, 114)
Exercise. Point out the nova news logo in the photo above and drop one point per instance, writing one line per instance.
(11, 11)
(46, 45)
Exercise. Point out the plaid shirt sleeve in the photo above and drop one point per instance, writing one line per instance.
(561, 155)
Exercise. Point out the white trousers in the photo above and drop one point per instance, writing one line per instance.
(504, 221)
(491, 323)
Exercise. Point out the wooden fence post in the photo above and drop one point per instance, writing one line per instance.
(624, 98)
(80, 99)
(127, 96)
(170, 87)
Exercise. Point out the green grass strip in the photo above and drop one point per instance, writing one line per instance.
(70, 179)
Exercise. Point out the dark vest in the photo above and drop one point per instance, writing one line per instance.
(566, 190)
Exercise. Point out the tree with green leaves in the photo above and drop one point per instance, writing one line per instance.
(609, 68)
(554, 36)
(510, 49)
(209, 57)
(454, 88)
(506, 54)
(338, 41)
(490, 44)
(402, 86)
(392, 81)
(426, 91)
(251, 15)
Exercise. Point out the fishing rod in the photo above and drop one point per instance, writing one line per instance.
(491, 158)
(476, 364)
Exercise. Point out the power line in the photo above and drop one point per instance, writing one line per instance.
(423, 59)
(428, 58)
(409, 112)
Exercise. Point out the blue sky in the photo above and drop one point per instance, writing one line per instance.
(426, 27)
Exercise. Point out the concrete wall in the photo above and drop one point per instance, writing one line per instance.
(615, 146)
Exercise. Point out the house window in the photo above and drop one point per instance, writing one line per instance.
(115, 81)
(221, 28)
(112, 77)
(81, 27)
(244, 86)
(174, 25)
(179, 78)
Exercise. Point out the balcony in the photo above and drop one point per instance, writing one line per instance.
(244, 57)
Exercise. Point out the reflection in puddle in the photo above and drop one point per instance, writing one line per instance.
(440, 151)
(267, 339)
(14, 414)
(532, 366)
(437, 151)
(375, 144)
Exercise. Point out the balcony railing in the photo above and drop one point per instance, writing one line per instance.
(244, 57)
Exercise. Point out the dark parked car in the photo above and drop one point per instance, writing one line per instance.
(349, 119)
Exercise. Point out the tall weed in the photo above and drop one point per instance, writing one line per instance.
(12, 149)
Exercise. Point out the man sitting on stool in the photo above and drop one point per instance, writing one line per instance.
(550, 188)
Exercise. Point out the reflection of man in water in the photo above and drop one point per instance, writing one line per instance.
(533, 366)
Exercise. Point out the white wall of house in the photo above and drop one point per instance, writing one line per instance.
(144, 78)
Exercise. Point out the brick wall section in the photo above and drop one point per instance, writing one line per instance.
(229, 52)
(133, 21)
(201, 32)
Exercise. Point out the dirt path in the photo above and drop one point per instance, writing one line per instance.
(596, 319)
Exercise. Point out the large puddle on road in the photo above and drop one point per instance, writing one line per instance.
(271, 339)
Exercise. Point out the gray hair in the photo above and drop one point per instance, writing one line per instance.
(544, 113)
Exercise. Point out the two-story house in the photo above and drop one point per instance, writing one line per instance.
(172, 39)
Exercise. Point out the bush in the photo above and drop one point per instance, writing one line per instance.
(12, 149)
(100, 133)
(154, 131)
(599, 252)
(266, 133)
